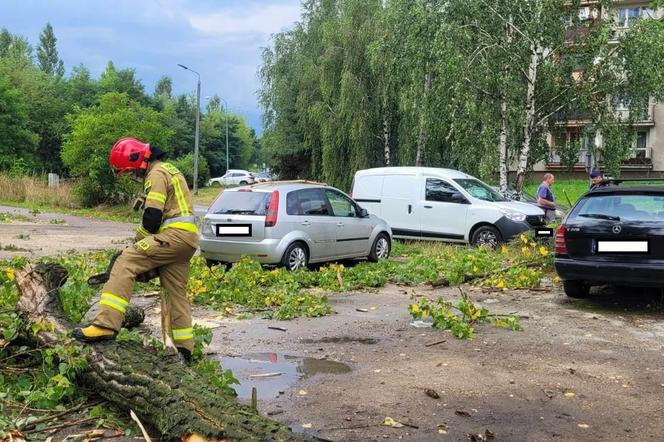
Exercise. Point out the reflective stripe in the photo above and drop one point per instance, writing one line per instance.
(182, 334)
(141, 231)
(156, 196)
(114, 302)
(179, 219)
(190, 227)
(170, 168)
(187, 223)
(143, 245)
(179, 195)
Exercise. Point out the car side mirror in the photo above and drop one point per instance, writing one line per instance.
(364, 213)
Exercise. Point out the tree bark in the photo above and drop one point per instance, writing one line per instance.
(386, 134)
(529, 124)
(502, 146)
(502, 139)
(173, 398)
(422, 137)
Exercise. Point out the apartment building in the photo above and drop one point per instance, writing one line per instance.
(647, 151)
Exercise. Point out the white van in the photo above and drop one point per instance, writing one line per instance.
(442, 204)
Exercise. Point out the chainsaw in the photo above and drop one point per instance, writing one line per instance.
(101, 278)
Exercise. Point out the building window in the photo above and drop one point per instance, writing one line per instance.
(629, 16)
(641, 145)
(621, 103)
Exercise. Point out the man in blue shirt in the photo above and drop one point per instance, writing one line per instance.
(545, 197)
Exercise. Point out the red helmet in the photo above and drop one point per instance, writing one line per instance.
(129, 155)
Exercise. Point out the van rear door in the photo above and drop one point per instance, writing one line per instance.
(367, 192)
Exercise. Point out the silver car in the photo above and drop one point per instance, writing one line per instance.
(291, 224)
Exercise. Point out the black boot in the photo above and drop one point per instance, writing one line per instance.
(186, 354)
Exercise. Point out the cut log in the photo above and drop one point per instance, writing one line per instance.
(177, 401)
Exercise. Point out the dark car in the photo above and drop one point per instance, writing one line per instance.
(612, 235)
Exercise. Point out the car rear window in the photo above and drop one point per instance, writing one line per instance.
(241, 203)
(638, 207)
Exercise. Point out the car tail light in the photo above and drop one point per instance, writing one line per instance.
(561, 244)
(272, 210)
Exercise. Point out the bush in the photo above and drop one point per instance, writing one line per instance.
(94, 131)
(186, 165)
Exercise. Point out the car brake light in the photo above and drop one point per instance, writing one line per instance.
(272, 210)
(561, 244)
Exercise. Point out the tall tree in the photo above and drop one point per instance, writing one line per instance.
(123, 81)
(164, 87)
(82, 88)
(17, 143)
(47, 53)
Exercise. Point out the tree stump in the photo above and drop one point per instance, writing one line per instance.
(177, 401)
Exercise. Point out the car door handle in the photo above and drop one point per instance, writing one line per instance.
(340, 224)
(305, 223)
(428, 207)
(410, 208)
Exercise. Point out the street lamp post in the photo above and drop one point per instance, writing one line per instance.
(198, 112)
(226, 112)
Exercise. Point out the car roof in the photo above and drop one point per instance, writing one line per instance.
(285, 186)
(625, 189)
(447, 173)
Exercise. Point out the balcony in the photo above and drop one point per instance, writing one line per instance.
(644, 116)
(573, 117)
(640, 160)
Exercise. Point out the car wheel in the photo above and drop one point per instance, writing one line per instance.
(381, 248)
(486, 236)
(576, 289)
(295, 257)
(243, 183)
(216, 183)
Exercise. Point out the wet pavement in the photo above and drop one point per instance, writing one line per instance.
(272, 373)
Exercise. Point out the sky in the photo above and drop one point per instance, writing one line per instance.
(221, 39)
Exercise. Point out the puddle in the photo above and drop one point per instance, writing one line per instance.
(272, 373)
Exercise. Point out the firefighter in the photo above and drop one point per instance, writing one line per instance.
(165, 240)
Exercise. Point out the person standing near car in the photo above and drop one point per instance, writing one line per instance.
(597, 178)
(545, 197)
(166, 240)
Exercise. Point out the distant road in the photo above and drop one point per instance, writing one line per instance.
(46, 234)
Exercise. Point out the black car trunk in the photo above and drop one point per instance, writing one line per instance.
(592, 239)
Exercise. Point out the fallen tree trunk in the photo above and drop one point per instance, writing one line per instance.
(177, 401)
(468, 277)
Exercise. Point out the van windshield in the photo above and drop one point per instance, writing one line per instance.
(479, 190)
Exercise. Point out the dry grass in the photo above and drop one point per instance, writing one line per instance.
(35, 191)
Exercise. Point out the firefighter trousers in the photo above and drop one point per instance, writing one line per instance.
(170, 251)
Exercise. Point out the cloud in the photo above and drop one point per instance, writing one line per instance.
(267, 19)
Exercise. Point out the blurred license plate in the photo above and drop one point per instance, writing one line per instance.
(233, 229)
(622, 246)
